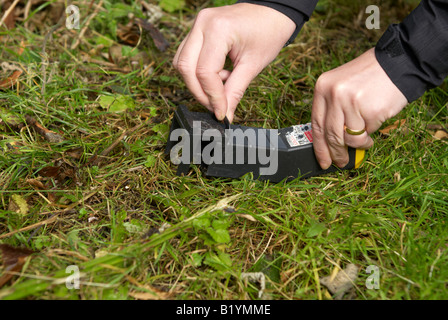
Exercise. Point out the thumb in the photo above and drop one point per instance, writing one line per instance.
(236, 85)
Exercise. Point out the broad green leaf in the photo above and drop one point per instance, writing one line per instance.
(150, 161)
(220, 261)
(316, 229)
(152, 111)
(19, 204)
(105, 41)
(172, 5)
(197, 259)
(219, 235)
(117, 103)
(134, 226)
(161, 128)
(201, 223)
(220, 224)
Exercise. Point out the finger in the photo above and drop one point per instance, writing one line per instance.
(224, 75)
(236, 85)
(187, 61)
(334, 135)
(354, 121)
(320, 146)
(210, 64)
(179, 50)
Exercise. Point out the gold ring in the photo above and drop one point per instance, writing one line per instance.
(354, 132)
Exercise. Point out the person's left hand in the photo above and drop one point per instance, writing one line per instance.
(358, 95)
(250, 35)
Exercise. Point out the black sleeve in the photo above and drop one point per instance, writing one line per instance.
(414, 53)
(298, 11)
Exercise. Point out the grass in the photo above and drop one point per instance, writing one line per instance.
(104, 216)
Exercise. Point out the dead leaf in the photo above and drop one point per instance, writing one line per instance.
(75, 153)
(11, 80)
(148, 28)
(49, 171)
(10, 120)
(440, 134)
(435, 126)
(18, 204)
(343, 282)
(115, 54)
(49, 135)
(13, 261)
(60, 172)
(36, 184)
(128, 35)
(397, 124)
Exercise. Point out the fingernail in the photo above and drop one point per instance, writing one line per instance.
(324, 165)
(341, 164)
(220, 116)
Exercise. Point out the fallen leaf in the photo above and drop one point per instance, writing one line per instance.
(343, 282)
(36, 184)
(395, 125)
(115, 54)
(11, 80)
(49, 171)
(49, 135)
(10, 145)
(18, 204)
(10, 120)
(59, 172)
(435, 126)
(159, 40)
(13, 261)
(440, 134)
(75, 153)
(128, 34)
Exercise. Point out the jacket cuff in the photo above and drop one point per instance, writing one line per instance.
(399, 66)
(414, 53)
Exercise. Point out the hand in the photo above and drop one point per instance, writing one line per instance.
(358, 94)
(251, 35)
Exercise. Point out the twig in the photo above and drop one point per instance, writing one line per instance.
(47, 221)
(52, 219)
(9, 11)
(27, 12)
(96, 159)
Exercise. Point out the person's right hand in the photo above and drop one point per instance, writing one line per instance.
(251, 35)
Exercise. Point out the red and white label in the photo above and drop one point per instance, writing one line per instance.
(300, 135)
